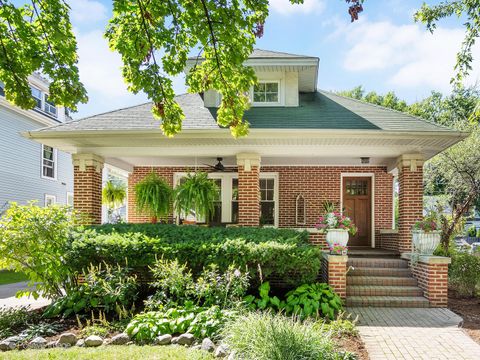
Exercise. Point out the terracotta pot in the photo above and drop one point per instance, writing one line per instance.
(425, 243)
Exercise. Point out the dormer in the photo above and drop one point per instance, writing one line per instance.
(281, 77)
(44, 108)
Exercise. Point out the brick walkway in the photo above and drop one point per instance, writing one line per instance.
(416, 334)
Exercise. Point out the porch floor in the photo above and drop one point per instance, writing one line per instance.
(358, 251)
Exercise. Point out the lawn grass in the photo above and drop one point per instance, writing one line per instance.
(10, 277)
(131, 352)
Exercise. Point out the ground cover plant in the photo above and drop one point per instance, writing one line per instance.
(266, 336)
(279, 252)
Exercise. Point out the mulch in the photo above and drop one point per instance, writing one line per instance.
(469, 310)
(354, 344)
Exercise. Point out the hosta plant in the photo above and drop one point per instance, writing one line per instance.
(313, 300)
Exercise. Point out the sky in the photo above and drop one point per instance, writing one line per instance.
(385, 50)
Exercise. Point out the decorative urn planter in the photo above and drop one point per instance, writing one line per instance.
(425, 243)
(337, 237)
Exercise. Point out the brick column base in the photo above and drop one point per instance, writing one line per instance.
(87, 187)
(431, 273)
(334, 273)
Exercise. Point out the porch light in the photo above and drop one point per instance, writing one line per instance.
(365, 160)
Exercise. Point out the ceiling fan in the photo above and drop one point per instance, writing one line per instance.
(219, 166)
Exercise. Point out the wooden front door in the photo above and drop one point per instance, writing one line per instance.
(357, 203)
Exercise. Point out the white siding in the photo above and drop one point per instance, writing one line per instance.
(20, 171)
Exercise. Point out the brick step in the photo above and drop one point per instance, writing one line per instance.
(381, 280)
(378, 290)
(377, 263)
(377, 271)
(388, 301)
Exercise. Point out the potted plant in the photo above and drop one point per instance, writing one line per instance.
(113, 195)
(196, 194)
(426, 234)
(153, 195)
(337, 227)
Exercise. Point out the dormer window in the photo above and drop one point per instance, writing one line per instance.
(266, 93)
(42, 103)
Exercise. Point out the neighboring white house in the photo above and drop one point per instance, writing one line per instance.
(32, 171)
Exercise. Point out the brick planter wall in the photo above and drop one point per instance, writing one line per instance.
(334, 273)
(431, 273)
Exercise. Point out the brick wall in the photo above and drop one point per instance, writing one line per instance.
(87, 187)
(315, 183)
(334, 273)
(433, 280)
(249, 196)
(320, 183)
(388, 241)
(410, 204)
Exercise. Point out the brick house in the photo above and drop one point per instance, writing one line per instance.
(305, 146)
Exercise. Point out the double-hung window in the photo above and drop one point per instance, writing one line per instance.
(50, 200)
(267, 201)
(2, 89)
(266, 92)
(48, 162)
(50, 107)
(37, 96)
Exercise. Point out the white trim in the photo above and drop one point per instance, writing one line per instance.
(69, 194)
(55, 164)
(226, 179)
(281, 92)
(274, 176)
(51, 197)
(372, 185)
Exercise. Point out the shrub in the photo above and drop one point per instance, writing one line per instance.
(340, 327)
(33, 240)
(464, 273)
(307, 300)
(13, 320)
(104, 288)
(313, 300)
(266, 336)
(284, 253)
(471, 231)
(199, 321)
(175, 286)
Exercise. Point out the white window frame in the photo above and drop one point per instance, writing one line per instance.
(226, 199)
(274, 176)
(69, 196)
(280, 94)
(50, 197)
(55, 164)
(37, 98)
(226, 192)
(48, 107)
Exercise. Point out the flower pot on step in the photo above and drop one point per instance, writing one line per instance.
(337, 237)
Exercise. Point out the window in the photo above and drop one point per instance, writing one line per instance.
(266, 92)
(2, 89)
(48, 162)
(50, 107)
(69, 198)
(50, 200)
(37, 96)
(235, 201)
(267, 201)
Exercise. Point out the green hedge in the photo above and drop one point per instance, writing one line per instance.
(279, 252)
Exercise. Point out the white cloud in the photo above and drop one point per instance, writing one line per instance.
(410, 55)
(87, 11)
(285, 7)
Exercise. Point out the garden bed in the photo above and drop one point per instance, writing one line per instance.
(469, 309)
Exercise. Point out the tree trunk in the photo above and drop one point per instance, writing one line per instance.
(449, 228)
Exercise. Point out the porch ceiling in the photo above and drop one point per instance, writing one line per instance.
(286, 146)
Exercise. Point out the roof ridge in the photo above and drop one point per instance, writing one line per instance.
(388, 109)
(283, 52)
